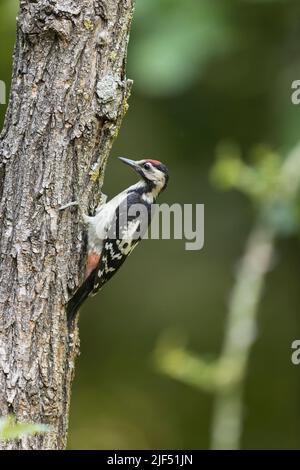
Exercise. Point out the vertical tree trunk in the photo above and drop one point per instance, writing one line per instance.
(69, 94)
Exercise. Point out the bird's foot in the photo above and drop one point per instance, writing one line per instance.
(103, 200)
(70, 204)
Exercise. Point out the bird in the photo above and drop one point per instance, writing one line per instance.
(117, 227)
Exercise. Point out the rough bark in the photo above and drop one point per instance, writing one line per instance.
(69, 94)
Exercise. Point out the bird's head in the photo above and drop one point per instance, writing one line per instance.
(153, 172)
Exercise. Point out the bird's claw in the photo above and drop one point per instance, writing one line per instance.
(66, 206)
(103, 200)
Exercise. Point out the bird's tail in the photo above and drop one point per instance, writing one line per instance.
(78, 298)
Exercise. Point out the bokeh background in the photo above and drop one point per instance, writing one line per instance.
(206, 72)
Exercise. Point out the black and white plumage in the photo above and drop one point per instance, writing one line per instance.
(118, 227)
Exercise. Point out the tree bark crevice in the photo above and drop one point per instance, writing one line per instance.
(68, 97)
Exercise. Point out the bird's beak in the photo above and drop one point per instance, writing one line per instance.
(129, 162)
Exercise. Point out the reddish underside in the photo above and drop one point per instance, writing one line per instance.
(92, 262)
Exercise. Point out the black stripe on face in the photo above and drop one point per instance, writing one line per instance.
(162, 168)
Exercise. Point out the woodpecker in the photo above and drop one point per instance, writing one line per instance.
(117, 228)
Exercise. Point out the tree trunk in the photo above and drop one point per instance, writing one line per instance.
(69, 94)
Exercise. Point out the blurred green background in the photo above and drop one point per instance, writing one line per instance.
(205, 72)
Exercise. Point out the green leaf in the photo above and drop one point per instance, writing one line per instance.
(10, 429)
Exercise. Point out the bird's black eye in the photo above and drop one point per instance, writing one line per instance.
(147, 166)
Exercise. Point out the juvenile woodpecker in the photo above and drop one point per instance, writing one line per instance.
(117, 228)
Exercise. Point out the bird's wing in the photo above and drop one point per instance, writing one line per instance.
(124, 234)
